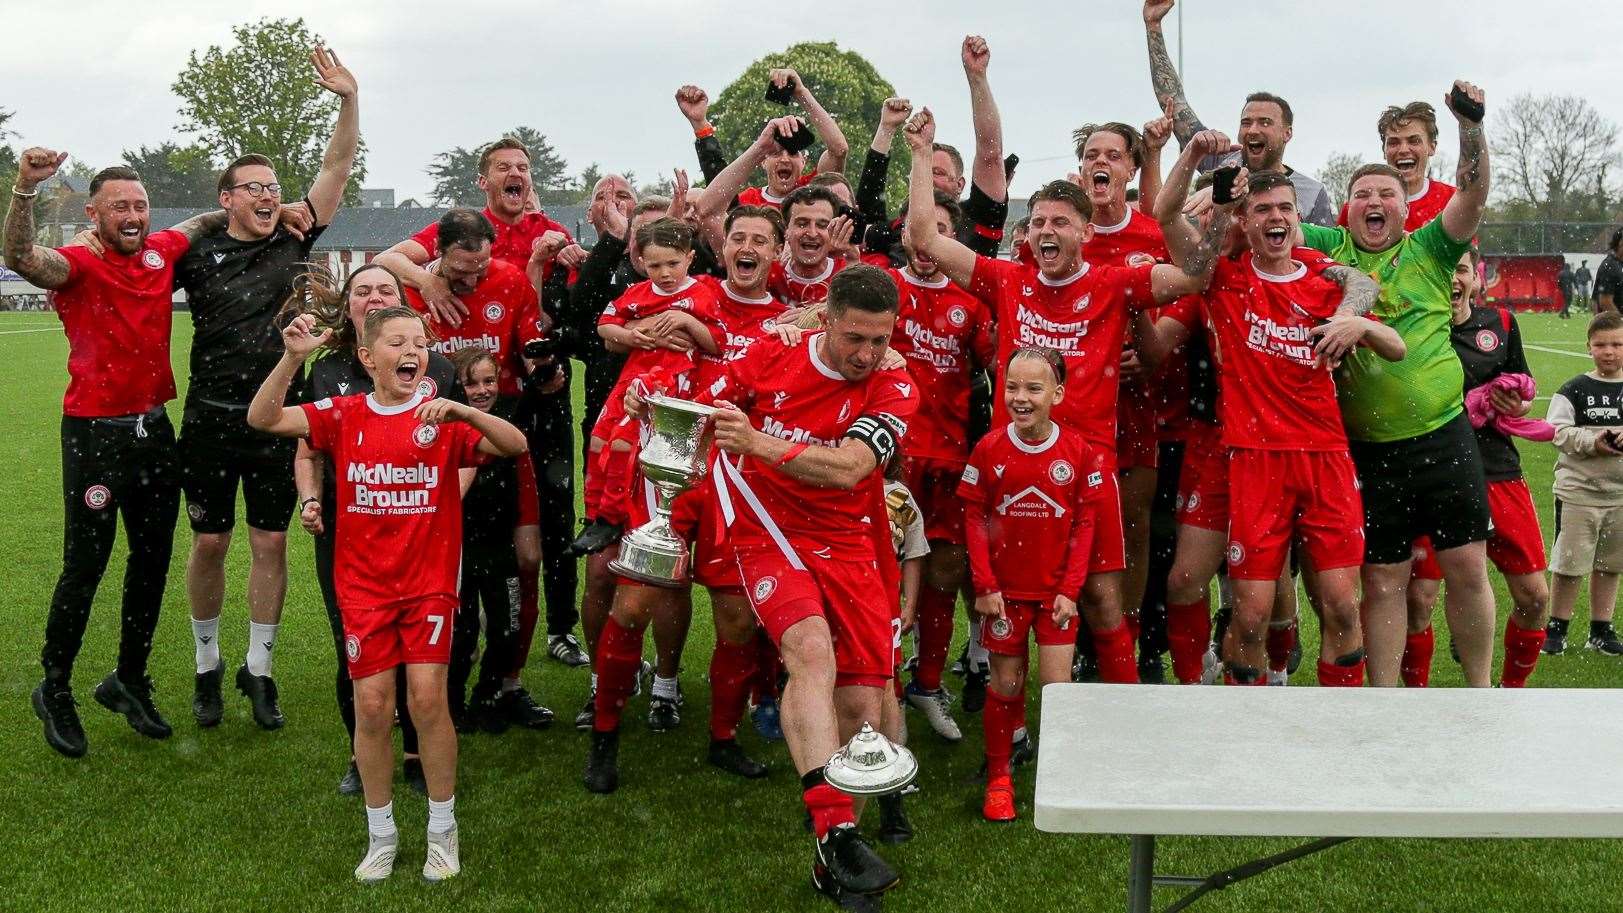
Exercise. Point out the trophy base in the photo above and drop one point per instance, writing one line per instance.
(647, 557)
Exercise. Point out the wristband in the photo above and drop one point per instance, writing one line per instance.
(793, 452)
(706, 130)
(305, 502)
(19, 193)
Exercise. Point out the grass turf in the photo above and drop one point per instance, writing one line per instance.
(237, 818)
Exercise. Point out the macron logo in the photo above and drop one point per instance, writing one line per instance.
(906, 390)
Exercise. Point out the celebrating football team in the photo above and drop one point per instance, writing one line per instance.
(902, 411)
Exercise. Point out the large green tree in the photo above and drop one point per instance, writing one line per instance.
(259, 96)
(176, 175)
(8, 155)
(844, 82)
(456, 172)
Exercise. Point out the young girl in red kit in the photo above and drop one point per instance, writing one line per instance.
(396, 458)
(663, 324)
(1027, 492)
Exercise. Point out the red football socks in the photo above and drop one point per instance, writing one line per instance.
(829, 807)
(935, 614)
(528, 610)
(1333, 675)
(1000, 718)
(619, 662)
(1281, 640)
(1521, 654)
(1417, 653)
(617, 470)
(1189, 632)
(731, 668)
(1115, 651)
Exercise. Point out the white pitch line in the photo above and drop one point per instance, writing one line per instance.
(37, 330)
(1528, 345)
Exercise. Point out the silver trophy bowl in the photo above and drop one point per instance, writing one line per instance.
(871, 765)
(673, 460)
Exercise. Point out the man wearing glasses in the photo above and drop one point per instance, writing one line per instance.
(236, 279)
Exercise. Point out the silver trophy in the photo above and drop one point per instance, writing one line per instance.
(871, 765)
(673, 459)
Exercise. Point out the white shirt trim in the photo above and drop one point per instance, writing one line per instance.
(817, 359)
(789, 272)
(1016, 440)
(1057, 283)
(940, 279)
(1292, 276)
(377, 407)
(766, 297)
(1118, 227)
(687, 283)
(1425, 188)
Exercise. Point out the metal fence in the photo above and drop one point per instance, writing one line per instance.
(1545, 237)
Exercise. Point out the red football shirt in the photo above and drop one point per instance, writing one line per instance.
(746, 319)
(513, 242)
(503, 315)
(116, 312)
(760, 196)
(1084, 318)
(939, 328)
(400, 536)
(1028, 498)
(1423, 207)
(794, 291)
(790, 393)
(646, 300)
(1134, 241)
(1273, 397)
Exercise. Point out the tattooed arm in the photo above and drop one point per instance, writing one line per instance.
(1358, 291)
(1349, 328)
(41, 266)
(1164, 76)
(1463, 214)
(204, 223)
(1192, 249)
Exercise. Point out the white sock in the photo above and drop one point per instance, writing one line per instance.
(380, 822)
(510, 685)
(977, 651)
(666, 687)
(594, 682)
(206, 643)
(1019, 733)
(261, 640)
(441, 816)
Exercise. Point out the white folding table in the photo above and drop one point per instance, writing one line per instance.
(1328, 763)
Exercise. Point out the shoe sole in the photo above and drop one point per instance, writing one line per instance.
(44, 718)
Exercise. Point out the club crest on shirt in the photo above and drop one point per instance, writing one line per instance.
(1001, 627)
(1486, 341)
(763, 588)
(428, 388)
(957, 316)
(1236, 553)
(1082, 303)
(352, 647)
(1061, 472)
(425, 435)
(494, 312)
(845, 411)
(152, 260)
(1194, 501)
(1140, 259)
(195, 511)
(97, 496)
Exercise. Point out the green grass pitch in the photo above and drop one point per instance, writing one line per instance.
(238, 819)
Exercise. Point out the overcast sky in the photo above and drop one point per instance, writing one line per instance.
(598, 77)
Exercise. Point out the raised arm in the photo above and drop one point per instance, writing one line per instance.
(1156, 134)
(327, 191)
(835, 148)
(695, 107)
(1164, 76)
(40, 265)
(871, 185)
(950, 254)
(988, 173)
(1191, 248)
(719, 196)
(1463, 214)
(267, 413)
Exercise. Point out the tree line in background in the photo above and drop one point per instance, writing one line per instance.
(1557, 158)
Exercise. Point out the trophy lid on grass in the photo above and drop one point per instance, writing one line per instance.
(871, 765)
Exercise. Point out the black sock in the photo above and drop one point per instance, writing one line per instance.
(1600, 629)
(811, 778)
(1558, 627)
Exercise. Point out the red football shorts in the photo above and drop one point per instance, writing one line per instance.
(849, 595)
(414, 631)
(934, 484)
(1203, 484)
(1276, 496)
(1515, 540)
(1109, 541)
(1006, 636)
(1137, 442)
